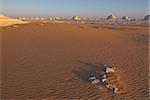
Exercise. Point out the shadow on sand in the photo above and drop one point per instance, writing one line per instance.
(89, 70)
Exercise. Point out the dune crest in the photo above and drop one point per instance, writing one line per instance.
(7, 21)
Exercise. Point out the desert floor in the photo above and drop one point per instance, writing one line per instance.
(45, 60)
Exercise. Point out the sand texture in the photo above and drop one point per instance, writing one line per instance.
(53, 61)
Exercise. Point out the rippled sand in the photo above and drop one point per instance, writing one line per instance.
(43, 60)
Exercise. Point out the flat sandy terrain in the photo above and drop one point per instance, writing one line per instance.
(43, 60)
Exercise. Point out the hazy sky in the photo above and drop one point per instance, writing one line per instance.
(83, 8)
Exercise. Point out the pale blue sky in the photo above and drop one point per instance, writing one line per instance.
(83, 8)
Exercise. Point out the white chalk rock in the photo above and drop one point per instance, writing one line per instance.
(116, 90)
(104, 80)
(92, 78)
(110, 70)
(96, 81)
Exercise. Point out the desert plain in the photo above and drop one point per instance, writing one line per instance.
(43, 60)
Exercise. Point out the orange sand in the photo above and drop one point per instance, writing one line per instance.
(43, 60)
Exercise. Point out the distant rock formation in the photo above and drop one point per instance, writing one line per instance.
(7, 21)
(125, 18)
(111, 17)
(76, 18)
(147, 17)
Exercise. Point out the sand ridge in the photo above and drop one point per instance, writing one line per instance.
(7, 21)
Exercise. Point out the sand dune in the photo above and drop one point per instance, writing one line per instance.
(44, 60)
(7, 21)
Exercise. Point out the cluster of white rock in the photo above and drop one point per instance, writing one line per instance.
(76, 18)
(40, 18)
(32, 18)
(113, 17)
